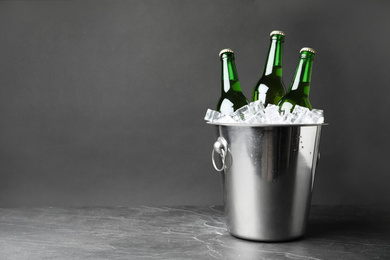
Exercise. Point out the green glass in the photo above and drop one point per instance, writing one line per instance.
(298, 93)
(232, 97)
(270, 87)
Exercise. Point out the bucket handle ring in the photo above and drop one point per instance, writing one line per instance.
(221, 147)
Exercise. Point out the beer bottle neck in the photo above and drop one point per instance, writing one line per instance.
(302, 77)
(229, 73)
(273, 63)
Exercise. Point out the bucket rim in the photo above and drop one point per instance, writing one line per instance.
(264, 125)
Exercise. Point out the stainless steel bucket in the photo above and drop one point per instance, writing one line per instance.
(268, 177)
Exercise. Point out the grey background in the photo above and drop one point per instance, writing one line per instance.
(102, 102)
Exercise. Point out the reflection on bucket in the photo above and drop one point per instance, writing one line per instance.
(268, 177)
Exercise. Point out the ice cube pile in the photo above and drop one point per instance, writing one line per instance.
(256, 113)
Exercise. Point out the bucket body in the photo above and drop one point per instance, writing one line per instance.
(268, 177)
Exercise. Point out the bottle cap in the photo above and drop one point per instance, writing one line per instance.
(224, 51)
(277, 32)
(307, 49)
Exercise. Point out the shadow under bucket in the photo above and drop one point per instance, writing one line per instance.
(268, 177)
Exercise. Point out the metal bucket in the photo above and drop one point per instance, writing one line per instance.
(268, 177)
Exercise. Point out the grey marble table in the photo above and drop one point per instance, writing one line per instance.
(334, 232)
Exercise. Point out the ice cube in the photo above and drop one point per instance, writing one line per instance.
(298, 115)
(212, 115)
(316, 116)
(259, 118)
(242, 114)
(256, 106)
(272, 114)
(288, 118)
(300, 110)
(271, 108)
(225, 120)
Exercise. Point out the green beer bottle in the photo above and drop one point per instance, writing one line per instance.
(270, 87)
(298, 93)
(231, 94)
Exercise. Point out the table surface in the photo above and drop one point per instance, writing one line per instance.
(334, 232)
